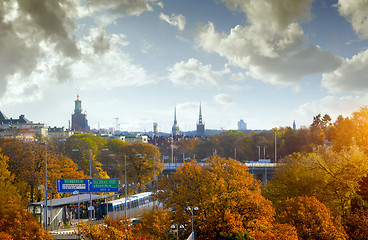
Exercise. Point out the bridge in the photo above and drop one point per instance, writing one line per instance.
(260, 170)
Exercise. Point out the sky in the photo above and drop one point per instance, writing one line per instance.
(268, 62)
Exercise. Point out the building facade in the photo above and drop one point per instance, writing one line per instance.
(242, 126)
(21, 128)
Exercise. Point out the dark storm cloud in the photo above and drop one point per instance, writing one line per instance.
(52, 24)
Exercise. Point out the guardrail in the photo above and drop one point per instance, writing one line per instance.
(173, 166)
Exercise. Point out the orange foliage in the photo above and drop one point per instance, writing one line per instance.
(312, 219)
(356, 224)
(155, 223)
(227, 197)
(16, 223)
(112, 229)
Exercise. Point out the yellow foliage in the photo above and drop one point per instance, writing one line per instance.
(227, 197)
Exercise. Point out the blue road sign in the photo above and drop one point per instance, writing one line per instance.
(87, 185)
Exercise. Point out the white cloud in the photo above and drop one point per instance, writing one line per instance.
(193, 72)
(276, 58)
(332, 105)
(237, 77)
(351, 76)
(174, 20)
(39, 46)
(277, 14)
(356, 12)
(223, 99)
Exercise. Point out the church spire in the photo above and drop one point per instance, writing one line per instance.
(175, 127)
(175, 122)
(200, 125)
(200, 114)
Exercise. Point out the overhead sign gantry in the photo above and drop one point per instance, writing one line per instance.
(87, 185)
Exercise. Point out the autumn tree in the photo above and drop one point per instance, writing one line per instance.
(312, 219)
(143, 162)
(16, 223)
(8, 190)
(114, 229)
(155, 223)
(226, 196)
(355, 223)
(331, 176)
(27, 164)
(85, 148)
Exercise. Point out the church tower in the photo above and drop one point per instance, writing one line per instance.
(175, 127)
(79, 120)
(200, 124)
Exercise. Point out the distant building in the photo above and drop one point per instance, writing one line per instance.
(200, 125)
(57, 133)
(79, 120)
(136, 138)
(294, 125)
(21, 128)
(155, 129)
(175, 127)
(242, 126)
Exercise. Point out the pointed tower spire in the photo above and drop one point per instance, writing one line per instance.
(175, 127)
(200, 125)
(175, 122)
(200, 114)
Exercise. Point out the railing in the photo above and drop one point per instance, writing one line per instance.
(173, 166)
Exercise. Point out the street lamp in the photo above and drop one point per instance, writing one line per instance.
(76, 192)
(191, 209)
(90, 175)
(125, 177)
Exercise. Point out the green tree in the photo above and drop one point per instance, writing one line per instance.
(89, 148)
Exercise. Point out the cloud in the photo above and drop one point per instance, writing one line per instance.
(277, 14)
(351, 76)
(332, 105)
(356, 12)
(276, 58)
(99, 40)
(39, 45)
(193, 73)
(109, 10)
(223, 99)
(174, 20)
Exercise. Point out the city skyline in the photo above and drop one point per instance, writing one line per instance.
(266, 62)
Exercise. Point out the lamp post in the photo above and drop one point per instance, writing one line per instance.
(191, 209)
(76, 192)
(125, 177)
(90, 176)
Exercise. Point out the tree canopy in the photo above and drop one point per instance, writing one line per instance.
(224, 199)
